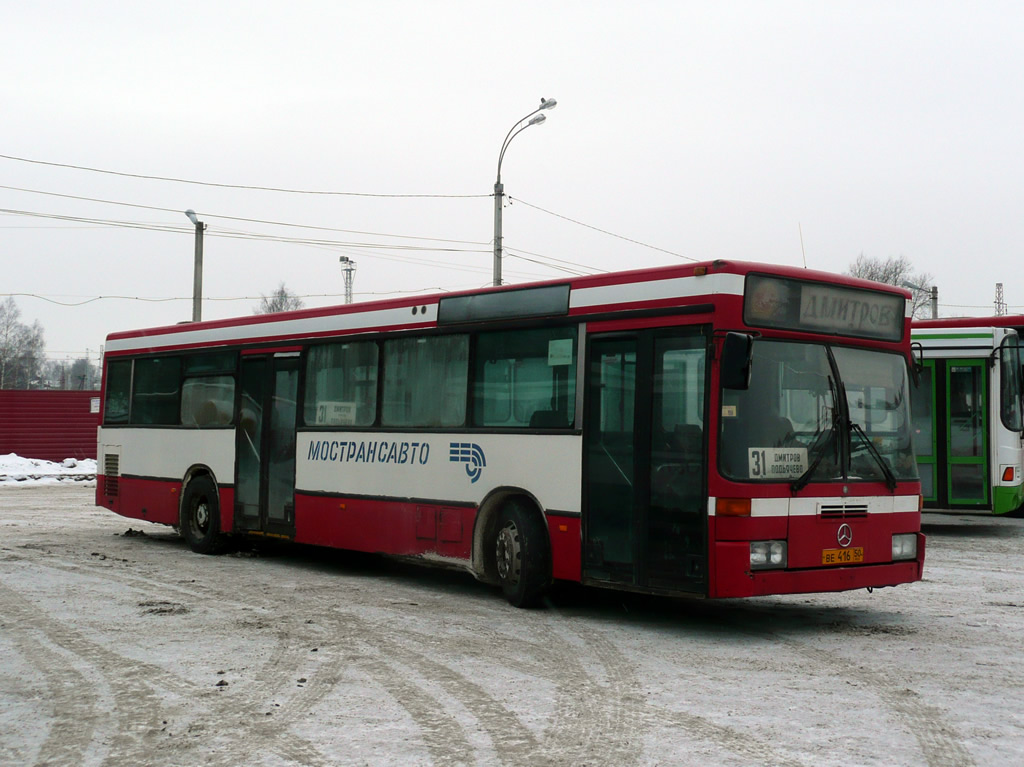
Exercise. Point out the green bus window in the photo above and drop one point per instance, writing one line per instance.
(1010, 384)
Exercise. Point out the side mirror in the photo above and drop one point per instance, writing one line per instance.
(917, 351)
(736, 355)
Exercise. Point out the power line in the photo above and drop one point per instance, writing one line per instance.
(298, 191)
(364, 249)
(597, 229)
(229, 234)
(239, 218)
(233, 186)
(584, 268)
(165, 299)
(511, 254)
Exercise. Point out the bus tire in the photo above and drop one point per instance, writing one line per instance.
(522, 555)
(200, 517)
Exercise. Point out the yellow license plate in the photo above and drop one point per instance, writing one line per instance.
(842, 556)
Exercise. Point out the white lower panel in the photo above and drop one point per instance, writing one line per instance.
(449, 467)
(169, 453)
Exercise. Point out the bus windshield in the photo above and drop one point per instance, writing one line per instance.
(816, 412)
(1010, 384)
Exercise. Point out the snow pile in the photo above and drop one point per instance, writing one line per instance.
(15, 470)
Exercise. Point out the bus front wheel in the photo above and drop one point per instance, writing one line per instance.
(521, 555)
(200, 517)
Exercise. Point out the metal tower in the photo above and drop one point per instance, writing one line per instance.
(348, 268)
(1000, 303)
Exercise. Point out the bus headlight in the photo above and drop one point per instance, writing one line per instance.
(904, 546)
(767, 555)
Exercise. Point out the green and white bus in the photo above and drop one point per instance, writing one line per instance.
(967, 415)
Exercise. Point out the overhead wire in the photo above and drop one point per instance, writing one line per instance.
(598, 229)
(239, 218)
(562, 265)
(232, 186)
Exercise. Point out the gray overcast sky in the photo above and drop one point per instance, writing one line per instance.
(709, 130)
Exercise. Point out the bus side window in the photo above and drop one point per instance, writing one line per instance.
(425, 381)
(341, 385)
(207, 400)
(525, 379)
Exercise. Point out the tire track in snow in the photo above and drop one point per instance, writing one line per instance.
(626, 716)
(511, 740)
(71, 739)
(275, 678)
(939, 741)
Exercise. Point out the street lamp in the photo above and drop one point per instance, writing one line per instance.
(197, 276)
(934, 290)
(499, 190)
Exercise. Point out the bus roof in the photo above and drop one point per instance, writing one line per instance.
(995, 321)
(656, 288)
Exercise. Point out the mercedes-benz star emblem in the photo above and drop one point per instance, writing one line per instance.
(844, 536)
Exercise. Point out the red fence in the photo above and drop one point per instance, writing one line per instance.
(47, 424)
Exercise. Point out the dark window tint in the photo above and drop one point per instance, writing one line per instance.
(155, 390)
(215, 362)
(119, 381)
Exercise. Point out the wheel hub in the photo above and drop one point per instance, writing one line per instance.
(508, 554)
(202, 515)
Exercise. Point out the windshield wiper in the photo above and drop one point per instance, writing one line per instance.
(890, 478)
(820, 444)
(802, 481)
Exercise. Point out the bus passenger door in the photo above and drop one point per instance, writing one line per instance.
(967, 432)
(645, 513)
(265, 444)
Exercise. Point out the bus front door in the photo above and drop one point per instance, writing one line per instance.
(966, 429)
(645, 490)
(951, 433)
(265, 445)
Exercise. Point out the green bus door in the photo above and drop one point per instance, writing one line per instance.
(966, 429)
(950, 413)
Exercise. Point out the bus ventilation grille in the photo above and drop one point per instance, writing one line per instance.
(843, 511)
(111, 470)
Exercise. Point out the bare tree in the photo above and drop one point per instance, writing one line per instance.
(281, 300)
(898, 271)
(21, 348)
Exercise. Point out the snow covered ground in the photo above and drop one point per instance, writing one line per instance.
(15, 470)
(120, 647)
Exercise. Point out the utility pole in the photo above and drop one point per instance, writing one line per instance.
(348, 268)
(197, 269)
(499, 188)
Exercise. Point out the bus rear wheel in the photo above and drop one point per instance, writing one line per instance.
(200, 517)
(522, 555)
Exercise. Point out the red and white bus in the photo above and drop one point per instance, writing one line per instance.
(723, 429)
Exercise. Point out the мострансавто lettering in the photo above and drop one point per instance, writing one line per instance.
(374, 451)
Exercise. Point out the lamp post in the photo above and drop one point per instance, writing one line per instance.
(534, 119)
(197, 276)
(933, 290)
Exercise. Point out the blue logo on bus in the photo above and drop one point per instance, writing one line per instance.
(470, 454)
